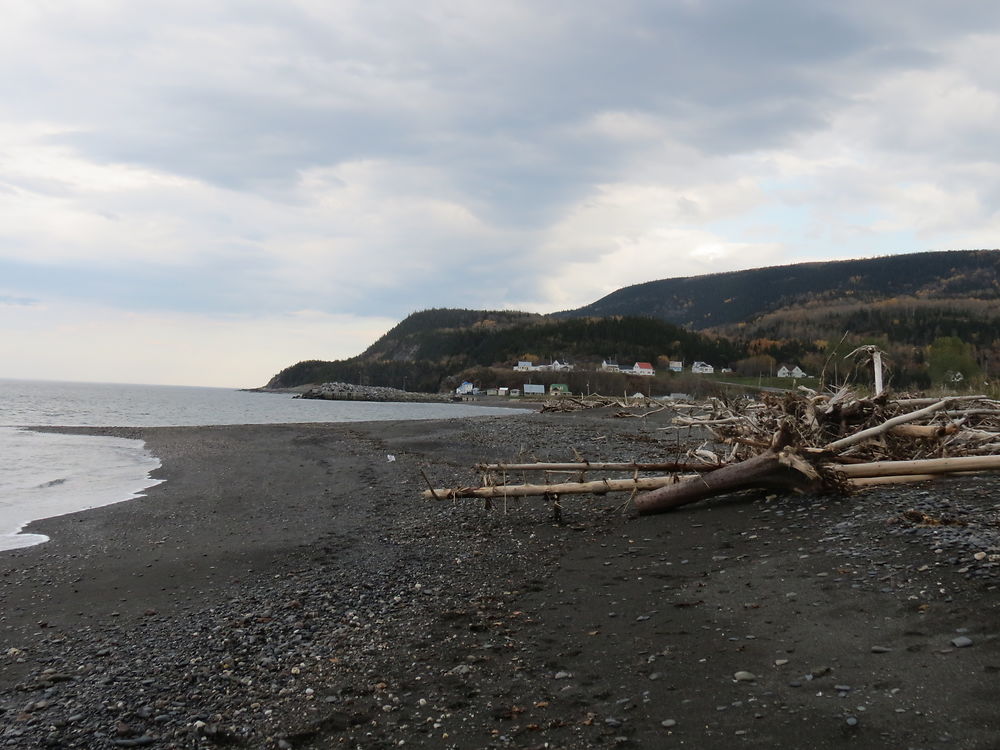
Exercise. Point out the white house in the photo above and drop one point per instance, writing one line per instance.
(702, 368)
(643, 368)
(676, 366)
(522, 366)
(609, 365)
(533, 388)
(560, 366)
(796, 372)
(465, 389)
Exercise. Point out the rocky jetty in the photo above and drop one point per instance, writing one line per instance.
(351, 392)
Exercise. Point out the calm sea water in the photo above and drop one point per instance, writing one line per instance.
(44, 475)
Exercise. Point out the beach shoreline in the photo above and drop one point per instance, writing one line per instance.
(285, 586)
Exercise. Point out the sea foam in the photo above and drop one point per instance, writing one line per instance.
(50, 474)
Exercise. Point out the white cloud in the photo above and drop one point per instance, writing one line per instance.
(626, 234)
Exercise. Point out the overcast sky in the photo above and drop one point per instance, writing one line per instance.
(204, 193)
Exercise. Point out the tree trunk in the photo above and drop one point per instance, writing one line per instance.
(769, 470)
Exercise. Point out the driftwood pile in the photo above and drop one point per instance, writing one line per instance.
(803, 441)
(626, 404)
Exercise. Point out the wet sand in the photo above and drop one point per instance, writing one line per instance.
(287, 587)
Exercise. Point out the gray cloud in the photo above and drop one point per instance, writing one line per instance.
(376, 158)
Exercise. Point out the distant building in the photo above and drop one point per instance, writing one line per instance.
(524, 366)
(465, 389)
(702, 368)
(609, 365)
(643, 368)
(558, 366)
(533, 388)
(676, 366)
(558, 388)
(795, 372)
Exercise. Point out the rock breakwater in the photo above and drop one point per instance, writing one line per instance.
(351, 392)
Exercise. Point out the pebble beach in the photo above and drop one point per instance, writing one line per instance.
(286, 586)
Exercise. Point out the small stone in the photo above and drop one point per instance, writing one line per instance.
(880, 650)
(980, 555)
(668, 723)
(963, 641)
(744, 676)
(780, 662)
(852, 721)
(562, 675)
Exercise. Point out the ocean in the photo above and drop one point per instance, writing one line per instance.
(49, 474)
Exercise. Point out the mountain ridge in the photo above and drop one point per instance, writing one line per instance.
(729, 297)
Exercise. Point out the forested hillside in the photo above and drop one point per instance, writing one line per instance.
(724, 299)
(936, 315)
(427, 347)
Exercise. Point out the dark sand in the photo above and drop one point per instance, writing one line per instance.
(287, 587)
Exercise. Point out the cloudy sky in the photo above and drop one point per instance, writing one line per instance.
(203, 193)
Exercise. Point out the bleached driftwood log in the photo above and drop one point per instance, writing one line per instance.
(931, 466)
(674, 466)
(597, 487)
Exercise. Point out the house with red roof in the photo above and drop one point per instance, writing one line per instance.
(643, 368)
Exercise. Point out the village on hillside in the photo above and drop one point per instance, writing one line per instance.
(641, 369)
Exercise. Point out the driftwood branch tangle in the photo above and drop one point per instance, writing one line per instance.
(860, 437)
(789, 441)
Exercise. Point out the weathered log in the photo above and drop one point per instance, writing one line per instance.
(696, 422)
(917, 401)
(770, 470)
(924, 431)
(597, 487)
(601, 466)
(922, 466)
